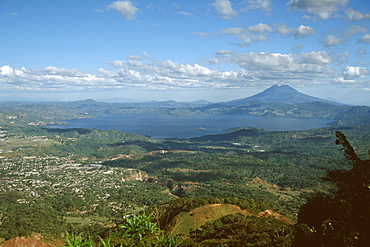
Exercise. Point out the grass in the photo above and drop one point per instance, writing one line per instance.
(8, 145)
(84, 221)
(194, 219)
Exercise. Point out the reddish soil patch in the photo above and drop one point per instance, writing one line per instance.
(24, 242)
(270, 213)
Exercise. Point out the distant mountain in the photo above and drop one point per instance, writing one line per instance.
(120, 100)
(156, 103)
(357, 115)
(278, 94)
(285, 101)
(201, 102)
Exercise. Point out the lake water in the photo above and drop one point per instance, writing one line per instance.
(168, 126)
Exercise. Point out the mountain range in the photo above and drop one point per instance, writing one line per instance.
(276, 101)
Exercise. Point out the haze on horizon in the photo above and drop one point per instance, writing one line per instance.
(216, 50)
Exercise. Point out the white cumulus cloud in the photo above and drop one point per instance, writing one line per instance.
(364, 39)
(354, 15)
(316, 57)
(355, 30)
(185, 13)
(342, 80)
(223, 53)
(297, 32)
(302, 31)
(264, 61)
(361, 51)
(224, 8)
(125, 8)
(264, 5)
(270, 63)
(262, 28)
(213, 61)
(331, 40)
(241, 34)
(352, 72)
(282, 29)
(201, 34)
(6, 70)
(324, 9)
(248, 35)
(49, 79)
(134, 57)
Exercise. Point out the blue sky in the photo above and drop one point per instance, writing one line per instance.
(215, 50)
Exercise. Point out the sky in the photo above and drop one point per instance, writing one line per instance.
(183, 50)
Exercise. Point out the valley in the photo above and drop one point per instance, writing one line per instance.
(97, 174)
(84, 184)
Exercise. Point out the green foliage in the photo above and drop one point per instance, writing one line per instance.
(166, 213)
(19, 217)
(92, 143)
(343, 218)
(108, 242)
(241, 230)
(138, 229)
(77, 240)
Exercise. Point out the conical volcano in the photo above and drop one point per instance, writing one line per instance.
(278, 94)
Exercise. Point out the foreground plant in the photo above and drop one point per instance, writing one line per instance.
(77, 240)
(138, 230)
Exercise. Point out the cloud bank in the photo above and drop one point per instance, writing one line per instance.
(255, 69)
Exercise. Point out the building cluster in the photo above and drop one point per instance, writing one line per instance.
(41, 177)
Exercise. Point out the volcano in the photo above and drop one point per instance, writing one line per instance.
(278, 94)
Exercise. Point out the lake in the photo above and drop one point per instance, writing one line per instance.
(168, 126)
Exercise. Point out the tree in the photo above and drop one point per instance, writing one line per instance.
(342, 218)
